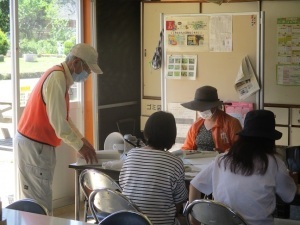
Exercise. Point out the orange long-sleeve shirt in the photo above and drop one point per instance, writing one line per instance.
(223, 132)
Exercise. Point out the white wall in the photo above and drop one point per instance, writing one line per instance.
(63, 182)
(275, 93)
(64, 177)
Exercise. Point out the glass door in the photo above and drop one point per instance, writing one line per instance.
(34, 36)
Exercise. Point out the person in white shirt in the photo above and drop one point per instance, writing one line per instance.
(45, 122)
(251, 174)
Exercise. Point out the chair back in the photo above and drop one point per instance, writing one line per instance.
(28, 205)
(105, 201)
(91, 179)
(293, 158)
(210, 212)
(125, 217)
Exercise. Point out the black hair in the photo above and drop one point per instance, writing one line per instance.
(249, 155)
(160, 130)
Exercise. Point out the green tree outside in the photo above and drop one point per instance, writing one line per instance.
(4, 46)
(41, 24)
(4, 15)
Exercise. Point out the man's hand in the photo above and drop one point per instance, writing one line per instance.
(88, 152)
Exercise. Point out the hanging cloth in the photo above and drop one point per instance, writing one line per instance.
(157, 58)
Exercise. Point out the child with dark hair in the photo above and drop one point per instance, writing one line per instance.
(151, 176)
(249, 176)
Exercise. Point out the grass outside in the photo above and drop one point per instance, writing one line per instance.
(41, 65)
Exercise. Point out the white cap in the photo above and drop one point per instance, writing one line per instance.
(88, 54)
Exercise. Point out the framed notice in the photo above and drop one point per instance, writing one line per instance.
(288, 60)
(182, 67)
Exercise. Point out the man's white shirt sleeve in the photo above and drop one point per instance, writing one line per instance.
(54, 90)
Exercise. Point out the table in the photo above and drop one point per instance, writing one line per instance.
(197, 164)
(26, 218)
(78, 169)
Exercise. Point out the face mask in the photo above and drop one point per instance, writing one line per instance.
(80, 77)
(207, 114)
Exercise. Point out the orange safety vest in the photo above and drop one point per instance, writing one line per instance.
(34, 123)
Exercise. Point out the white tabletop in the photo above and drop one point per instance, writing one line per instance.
(195, 166)
(25, 218)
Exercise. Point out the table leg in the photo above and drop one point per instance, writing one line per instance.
(77, 195)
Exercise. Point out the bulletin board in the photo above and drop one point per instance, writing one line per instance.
(214, 64)
(211, 48)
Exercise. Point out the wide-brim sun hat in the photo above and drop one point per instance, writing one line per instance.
(206, 98)
(260, 123)
(88, 54)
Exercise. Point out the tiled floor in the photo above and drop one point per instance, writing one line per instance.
(6, 144)
(68, 212)
(7, 180)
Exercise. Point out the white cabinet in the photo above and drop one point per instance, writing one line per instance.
(287, 118)
(282, 124)
(296, 116)
(295, 129)
(151, 27)
(281, 115)
(295, 136)
(149, 106)
(284, 140)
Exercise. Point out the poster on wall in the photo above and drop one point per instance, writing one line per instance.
(182, 67)
(288, 51)
(220, 33)
(238, 110)
(198, 33)
(186, 34)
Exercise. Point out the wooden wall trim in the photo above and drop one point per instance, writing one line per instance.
(281, 105)
(88, 86)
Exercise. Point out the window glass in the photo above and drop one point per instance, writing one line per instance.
(47, 29)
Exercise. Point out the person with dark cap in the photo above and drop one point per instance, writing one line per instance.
(248, 177)
(214, 130)
(45, 122)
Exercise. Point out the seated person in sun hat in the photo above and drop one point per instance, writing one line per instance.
(248, 177)
(214, 130)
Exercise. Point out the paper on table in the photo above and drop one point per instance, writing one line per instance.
(113, 165)
(190, 174)
(102, 156)
(246, 83)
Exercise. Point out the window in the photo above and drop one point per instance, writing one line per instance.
(43, 32)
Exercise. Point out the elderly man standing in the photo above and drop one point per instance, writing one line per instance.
(45, 122)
